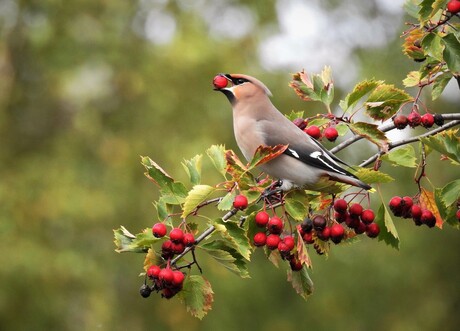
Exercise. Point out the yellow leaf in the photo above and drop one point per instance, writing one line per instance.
(427, 202)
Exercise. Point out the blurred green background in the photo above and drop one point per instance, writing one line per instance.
(86, 87)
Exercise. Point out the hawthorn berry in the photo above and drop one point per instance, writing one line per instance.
(178, 279)
(240, 202)
(325, 234)
(331, 133)
(166, 249)
(168, 293)
(438, 120)
(295, 263)
(428, 218)
(372, 230)
(300, 122)
(275, 225)
(352, 221)
(400, 122)
(458, 215)
(153, 271)
(262, 219)
(340, 205)
(414, 119)
(166, 275)
(396, 205)
(290, 242)
(337, 233)
(145, 291)
(177, 247)
(159, 230)
(272, 241)
(307, 225)
(355, 209)
(341, 217)
(313, 131)
(220, 82)
(176, 235)
(260, 238)
(308, 238)
(189, 239)
(283, 248)
(319, 222)
(406, 204)
(427, 120)
(361, 228)
(367, 216)
(453, 6)
(416, 212)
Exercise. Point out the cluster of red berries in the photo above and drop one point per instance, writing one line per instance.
(315, 131)
(176, 243)
(453, 6)
(414, 119)
(404, 207)
(166, 280)
(273, 238)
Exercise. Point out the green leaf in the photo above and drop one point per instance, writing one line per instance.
(451, 193)
(296, 203)
(429, 8)
(238, 171)
(371, 133)
(227, 202)
(227, 256)
(319, 88)
(164, 210)
(359, 91)
(301, 281)
(447, 212)
(413, 79)
(235, 235)
(193, 169)
(403, 156)
(320, 121)
(127, 242)
(197, 195)
(433, 46)
(197, 295)
(440, 84)
(371, 176)
(451, 52)
(384, 101)
(217, 155)
(388, 231)
(411, 7)
(446, 143)
(342, 129)
(294, 115)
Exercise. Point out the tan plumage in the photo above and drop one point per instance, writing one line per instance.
(257, 122)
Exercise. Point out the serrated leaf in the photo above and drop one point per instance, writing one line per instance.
(197, 195)
(412, 45)
(451, 52)
(193, 169)
(197, 295)
(426, 9)
(388, 231)
(411, 7)
(384, 101)
(164, 210)
(440, 84)
(427, 201)
(296, 203)
(432, 45)
(227, 256)
(263, 154)
(371, 133)
(301, 282)
(342, 129)
(127, 242)
(217, 155)
(451, 193)
(320, 121)
(412, 79)
(294, 115)
(403, 156)
(236, 236)
(446, 143)
(152, 258)
(227, 202)
(359, 91)
(447, 212)
(302, 252)
(319, 87)
(238, 171)
(371, 176)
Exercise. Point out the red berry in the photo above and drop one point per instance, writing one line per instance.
(296, 264)
(260, 239)
(262, 219)
(307, 225)
(153, 271)
(428, 218)
(414, 119)
(340, 205)
(176, 235)
(355, 209)
(178, 279)
(372, 230)
(453, 6)
(275, 225)
(427, 120)
(272, 241)
(159, 230)
(396, 206)
(352, 221)
(308, 238)
(416, 212)
(300, 122)
(166, 249)
(331, 133)
(290, 242)
(406, 204)
(283, 248)
(360, 228)
(325, 234)
(166, 275)
(337, 233)
(400, 122)
(367, 216)
(189, 239)
(313, 131)
(240, 202)
(341, 217)
(319, 222)
(220, 82)
(168, 293)
(177, 247)
(458, 215)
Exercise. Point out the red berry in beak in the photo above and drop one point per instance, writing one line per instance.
(220, 82)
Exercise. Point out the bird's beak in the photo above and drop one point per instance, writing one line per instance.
(222, 82)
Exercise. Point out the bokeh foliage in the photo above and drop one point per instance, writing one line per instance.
(82, 94)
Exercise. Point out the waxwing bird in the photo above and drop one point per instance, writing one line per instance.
(257, 122)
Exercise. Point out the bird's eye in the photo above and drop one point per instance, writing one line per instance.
(241, 81)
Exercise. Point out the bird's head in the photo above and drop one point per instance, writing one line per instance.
(238, 87)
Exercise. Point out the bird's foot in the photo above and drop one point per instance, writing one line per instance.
(273, 193)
